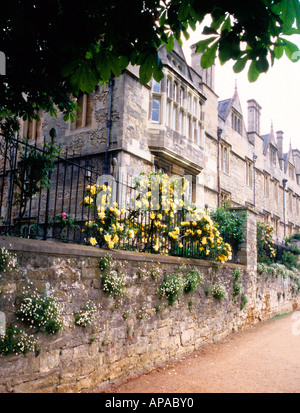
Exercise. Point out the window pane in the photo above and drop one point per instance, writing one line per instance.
(156, 86)
(181, 96)
(155, 109)
(169, 87)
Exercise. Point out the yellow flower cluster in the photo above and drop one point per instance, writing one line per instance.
(109, 219)
(264, 241)
(152, 222)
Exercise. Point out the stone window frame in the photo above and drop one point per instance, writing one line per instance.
(272, 154)
(195, 114)
(276, 190)
(226, 197)
(176, 101)
(249, 173)
(290, 201)
(236, 121)
(266, 185)
(225, 158)
(33, 129)
(291, 171)
(276, 222)
(85, 121)
(156, 96)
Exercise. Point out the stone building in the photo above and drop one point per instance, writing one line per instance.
(179, 126)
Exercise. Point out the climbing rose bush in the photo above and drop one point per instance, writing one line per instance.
(157, 219)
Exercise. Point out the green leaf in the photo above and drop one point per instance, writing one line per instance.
(183, 11)
(226, 25)
(253, 73)
(209, 30)
(291, 50)
(170, 44)
(203, 44)
(279, 49)
(225, 51)
(148, 67)
(208, 58)
(288, 13)
(217, 22)
(262, 64)
(296, 4)
(240, 64)
(84, 79)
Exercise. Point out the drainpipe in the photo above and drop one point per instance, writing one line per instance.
(108, 124)
(284, 181)
(218, 167)
(254, 179)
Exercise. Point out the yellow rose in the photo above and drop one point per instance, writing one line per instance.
(110, 245)
(88, 200)
(101, 215)
(107, 237)
(93, 241)
(93, 190)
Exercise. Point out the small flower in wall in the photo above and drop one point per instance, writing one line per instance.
(87, 314)
(41, 311)
(8, 260)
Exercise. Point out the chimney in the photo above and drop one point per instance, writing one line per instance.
(207, 75)
(279, 139)
(253, 116)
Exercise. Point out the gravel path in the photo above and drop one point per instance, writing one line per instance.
(261, 359)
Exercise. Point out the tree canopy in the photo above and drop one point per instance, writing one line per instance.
(56, 49)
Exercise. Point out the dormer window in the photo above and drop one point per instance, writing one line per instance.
(273, 155)
(291, 172)
(236, 122)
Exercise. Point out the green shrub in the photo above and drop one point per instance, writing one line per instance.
(289, 260)
(231, 226)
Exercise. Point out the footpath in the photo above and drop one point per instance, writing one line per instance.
(264, 358)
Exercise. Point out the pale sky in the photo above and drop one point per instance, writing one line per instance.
(277, 92)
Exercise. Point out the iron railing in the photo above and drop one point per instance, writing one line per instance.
(55, 211)
(30, 209)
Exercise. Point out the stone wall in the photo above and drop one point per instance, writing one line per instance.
(133, 334)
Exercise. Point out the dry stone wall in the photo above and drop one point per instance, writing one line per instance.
(133, 333)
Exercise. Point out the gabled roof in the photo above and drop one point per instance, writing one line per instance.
(177, 50)
(225, 106)
(269, 139)
(288, 157)
(222, 107)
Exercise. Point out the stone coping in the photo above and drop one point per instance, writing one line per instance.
(74, 250)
